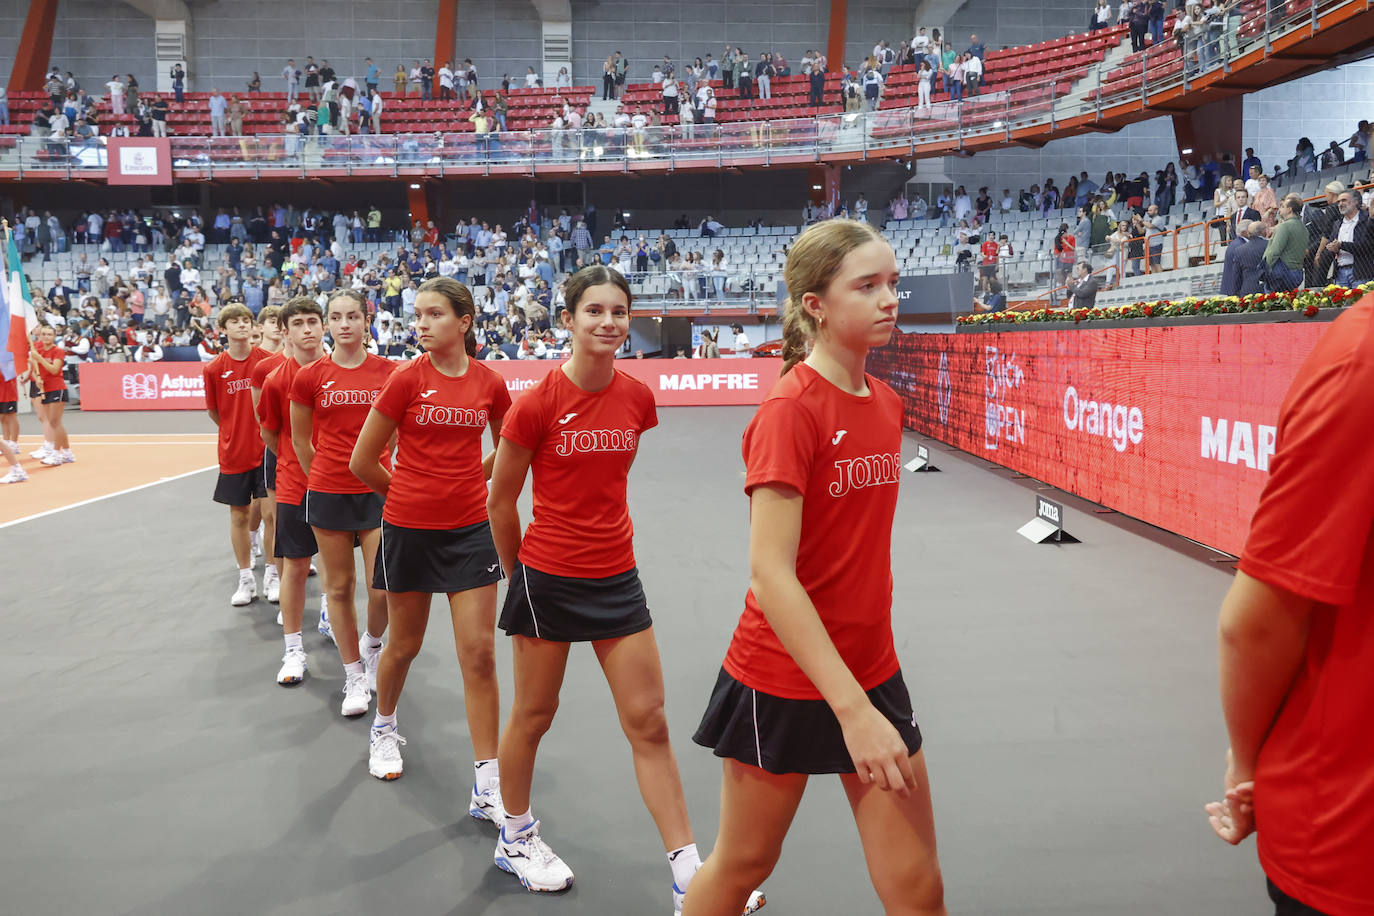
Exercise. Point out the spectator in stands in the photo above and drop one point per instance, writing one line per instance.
(1332, 156)
(1358, 142)
(218, 106)
(1137, 19)
(987, 268)
(1223, 207)
(1320, 220)
(1242, 212)
(924, 77)
(1265, 202)
(1101, 16)
(159, 117)
(1082, 289)
(179, 83)
(973, 74)
(763, 75)
(1352, 244)
(608, 79)
(744, 75)
(1284, 253)
(1065, 250)
(669, 89)
(954, 78)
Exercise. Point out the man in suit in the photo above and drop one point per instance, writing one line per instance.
(1351, 242)
(1244, 213)
(1243, 265)
(1084, 286)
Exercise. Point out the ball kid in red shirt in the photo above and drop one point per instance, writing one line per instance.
(330, 399)
(435, 534)
(811, 682)
(294, 539)
(273, 343)
(229, 402)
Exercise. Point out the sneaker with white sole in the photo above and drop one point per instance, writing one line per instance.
(756, 901)
(16, 474)
(293, 667)
(279, 622)
(486, 804)
(245, 593)
(313, 572)
(384, 752)
(52, 460)
(525, 855)
(325, 629)
(67, 456)
(370, 656)
(271, 586)
(41, 452)
(357, 698)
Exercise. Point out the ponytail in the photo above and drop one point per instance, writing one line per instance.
(459, 299)
(797, 328)
(812, 263)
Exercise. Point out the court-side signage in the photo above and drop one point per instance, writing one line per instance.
(674, 382)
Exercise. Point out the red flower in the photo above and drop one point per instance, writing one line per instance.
(1197, 306)
(1149, 311)
(1310, 311)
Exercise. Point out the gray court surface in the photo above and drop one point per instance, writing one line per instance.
(152, 765)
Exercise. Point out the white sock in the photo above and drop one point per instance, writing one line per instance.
(517, 822)
(353, 667)
(381, 721)
(486, 773)
(373, 642)
(684, 863)
(293, 640)
(246, 575)
(270, 570)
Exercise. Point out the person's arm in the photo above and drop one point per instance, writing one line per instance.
(302, 425)
(511, 465)
(378, 430)
(877, 750)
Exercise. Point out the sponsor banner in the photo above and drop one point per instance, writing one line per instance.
(139, 160)
(1171, 425)
(142, 386)
(675, 382)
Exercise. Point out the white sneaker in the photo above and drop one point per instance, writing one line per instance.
(271, 586)
(325, 629)
(313, 572)
(370, 658)
(52, 460)
(486, 805)
(357, 698)
(384, 752)
(279, 623)
(41, 452)
(756, 900)
(245, 593)
(292, 667)
(67, 456)
(16, 474)
(526, 855)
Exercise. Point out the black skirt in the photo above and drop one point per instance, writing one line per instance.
(240, 489)
(343, 511)
(567, 609)
(295, 537)
(793, 736)
(436, 560)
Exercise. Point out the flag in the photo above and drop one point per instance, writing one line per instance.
(18, 314)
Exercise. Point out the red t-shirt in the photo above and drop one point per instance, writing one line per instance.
(265, 366)
(9, 390)
(341, 399)
(843, 454)
(990, 251)
(227, 384)
(1313, 534)
(438, 481)
(51, 381)
(274, 408)
(584, 444)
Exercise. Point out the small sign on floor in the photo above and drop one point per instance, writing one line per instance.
(1048, 524)
(922, 461)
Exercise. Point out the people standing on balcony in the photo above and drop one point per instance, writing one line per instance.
(1223, 206)
(744, 75)
(815, 96)
(399, 82)
(924, 77)
(622, 69)
(763, 76)
(1133, 12)
(445, 83)
(427, 81)
(312, 79)
(218, 106)
(158, 116)
(1101, 16)
(973, 74)
(608, 79)
(115, 88)
(669, 90)
(1283, 256)
(872, 83)
(179, 83)
(727, 68)
(954, 78)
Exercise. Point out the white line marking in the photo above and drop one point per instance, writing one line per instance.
(96, 499)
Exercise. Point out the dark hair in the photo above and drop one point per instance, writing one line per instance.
(300, 305)
(459, 298)
(595, 275)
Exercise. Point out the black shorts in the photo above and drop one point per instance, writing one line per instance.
(793, 736)
(9, 407)
(987, 270)
(1285, 905)
(34, 390)
(566, 609)
(343, 511)
(295, 538)
(269, 469)
(240, 489)
(55, 397)
(444, 560)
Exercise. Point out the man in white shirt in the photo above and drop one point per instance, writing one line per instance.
(1343, 245)
(218, 106)
(376, 111)
(292, 78)
(973, 73)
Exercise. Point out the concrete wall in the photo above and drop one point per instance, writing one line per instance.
(92, 39)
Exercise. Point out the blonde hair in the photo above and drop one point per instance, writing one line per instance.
(812, 262)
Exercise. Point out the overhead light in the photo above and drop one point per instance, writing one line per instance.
(816, 187)
(414, 187)
(996, 125)
(1187, 151)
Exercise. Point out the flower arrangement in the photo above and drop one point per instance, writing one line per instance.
(1309, 302)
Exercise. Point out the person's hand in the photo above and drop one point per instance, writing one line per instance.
(1234, 818)
(878, 751)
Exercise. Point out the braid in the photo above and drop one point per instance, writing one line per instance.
(797, 329)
